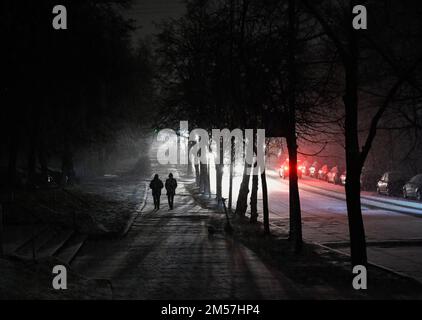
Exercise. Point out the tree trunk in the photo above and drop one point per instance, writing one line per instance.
(197, 166)
(189, 169)
(295, 215)
(254, 199)
(219, 169)
(354, 213)
(254, 193)
(354, 168)
(219, 179)
(242, 199)
(353, 156)
(294, 208)
(197, 175)
(203, 177)
(232, 160)
(208, 176)
(266, 215)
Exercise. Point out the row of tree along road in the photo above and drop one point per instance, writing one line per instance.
(300, 70)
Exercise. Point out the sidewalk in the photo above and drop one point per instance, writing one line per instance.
(317, 272)
(172, 255)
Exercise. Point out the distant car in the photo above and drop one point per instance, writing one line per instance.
(343, 178)
(391, 183)
(313, 170)
(413, 188)
(304, 168)
(322, 173)
(368, 181)
(334, 175)
(285, 168)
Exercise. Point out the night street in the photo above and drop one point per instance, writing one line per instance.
(395, 239)
(171, 255)
(176, 152)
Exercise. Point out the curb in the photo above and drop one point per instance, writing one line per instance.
(341, 196)
(137, 212)
(400, 274)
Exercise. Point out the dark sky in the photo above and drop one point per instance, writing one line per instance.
(145, 12)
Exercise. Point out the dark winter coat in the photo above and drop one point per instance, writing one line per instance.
(156, 185)
(171, 185)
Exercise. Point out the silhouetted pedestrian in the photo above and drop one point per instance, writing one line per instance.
(156, 185)
(171, 185)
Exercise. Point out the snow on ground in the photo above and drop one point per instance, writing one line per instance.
(33, 280)
(367, 198)
(113, 201)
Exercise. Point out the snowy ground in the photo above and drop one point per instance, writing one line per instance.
(32, 280)
(393, 225)
(173, 255)
(394, 237)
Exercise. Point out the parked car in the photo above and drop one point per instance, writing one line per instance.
(368, 180)
(334, 175)
(304, 167)
(343, 178)
(285, 168)
(413, 188)
(391, 183)
(313, 170)
(322, 173)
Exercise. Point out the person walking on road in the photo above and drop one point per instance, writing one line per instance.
(156, 185)
(171, 185)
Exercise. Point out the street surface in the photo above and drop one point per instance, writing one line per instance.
(394, 238)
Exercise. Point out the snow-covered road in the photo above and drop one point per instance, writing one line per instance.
(370, 199)
(393, 226)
